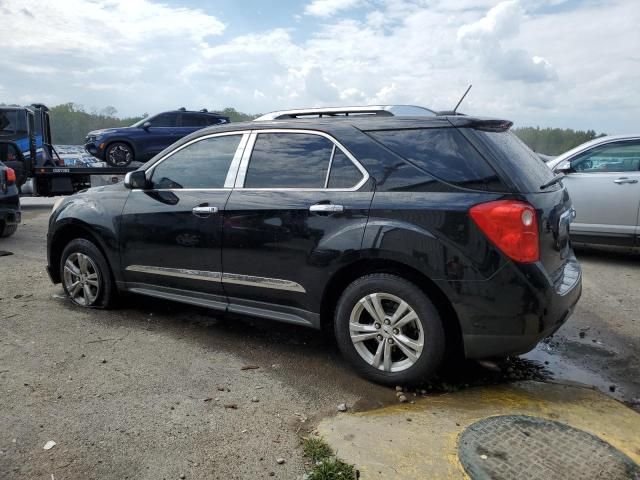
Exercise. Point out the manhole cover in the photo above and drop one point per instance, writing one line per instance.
(517, 447)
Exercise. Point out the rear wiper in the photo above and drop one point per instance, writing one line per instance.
(553, 181)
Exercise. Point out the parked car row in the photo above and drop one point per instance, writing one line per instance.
(413, 238)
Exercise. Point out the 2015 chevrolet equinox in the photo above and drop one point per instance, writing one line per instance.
(408, 235)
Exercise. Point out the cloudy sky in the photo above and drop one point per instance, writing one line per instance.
(563, 63)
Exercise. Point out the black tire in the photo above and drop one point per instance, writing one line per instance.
(119, 154)
(7, 230)
(106, 293)
(432, 353)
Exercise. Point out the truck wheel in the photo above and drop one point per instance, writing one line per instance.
(119, 154)
(86, 277)
(7, 230)
(389, 330)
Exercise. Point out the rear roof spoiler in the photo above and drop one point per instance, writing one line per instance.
(484, 124)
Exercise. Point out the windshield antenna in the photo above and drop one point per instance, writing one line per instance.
(460, 101)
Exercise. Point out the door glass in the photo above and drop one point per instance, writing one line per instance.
(620, 157)
(194, 120)
(289, 160)
(203, 164)
(344, 174)
(164, 120)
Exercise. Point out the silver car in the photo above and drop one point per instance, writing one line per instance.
(603, 179)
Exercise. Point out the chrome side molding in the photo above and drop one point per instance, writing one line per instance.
(205, 275)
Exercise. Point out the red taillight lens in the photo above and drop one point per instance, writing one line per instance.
(512, 226)
(11, 175)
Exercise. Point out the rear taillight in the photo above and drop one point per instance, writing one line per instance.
(512, 226)
(11, 176)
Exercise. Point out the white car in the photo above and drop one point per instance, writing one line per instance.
(603, 179)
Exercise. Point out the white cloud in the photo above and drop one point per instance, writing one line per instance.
(327, 8)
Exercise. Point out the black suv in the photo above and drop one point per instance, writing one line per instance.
(406, 235)
(144, 139)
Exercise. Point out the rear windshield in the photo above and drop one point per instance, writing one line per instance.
(443, 153)
(520, 163)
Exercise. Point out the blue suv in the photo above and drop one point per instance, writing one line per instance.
(144, 139)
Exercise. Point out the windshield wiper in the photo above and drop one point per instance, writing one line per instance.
(553, 181)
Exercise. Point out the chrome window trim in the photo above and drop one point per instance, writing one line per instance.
(326, 178)
(149, 171)
(219, 277)
(244, 164)
(235, 163)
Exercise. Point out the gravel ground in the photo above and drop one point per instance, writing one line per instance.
(158, 390)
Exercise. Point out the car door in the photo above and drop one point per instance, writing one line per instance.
(171, 232)
(604, 184)
(300, 204)
(162, 132)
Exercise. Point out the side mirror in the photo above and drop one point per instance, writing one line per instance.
(146, 125)
(136, 180)
(563, 167)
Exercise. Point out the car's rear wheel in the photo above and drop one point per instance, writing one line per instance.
(7, 230)
(119, 154)
(389, 330)
(86, 277)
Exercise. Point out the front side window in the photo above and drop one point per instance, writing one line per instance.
(289, 160)
(164, 120)
(618, 157)
(203, 164)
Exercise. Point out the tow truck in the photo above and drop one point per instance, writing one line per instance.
(26, 147)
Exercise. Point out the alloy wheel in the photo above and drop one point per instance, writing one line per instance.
(386, 332)
(119, 155)
(81, 279)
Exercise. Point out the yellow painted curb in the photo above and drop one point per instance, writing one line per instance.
(420, 440)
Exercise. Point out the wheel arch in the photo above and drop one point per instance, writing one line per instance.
(366, 266)
(65, 234)
(127, 141)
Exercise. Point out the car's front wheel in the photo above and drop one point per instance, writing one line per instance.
(389, 330)
(86, 277)
(7, 230)
(119, 154)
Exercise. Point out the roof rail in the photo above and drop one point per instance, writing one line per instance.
(370, 110)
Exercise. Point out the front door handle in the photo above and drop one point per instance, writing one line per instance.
(204, 211)
(622, 180)
(326, 208)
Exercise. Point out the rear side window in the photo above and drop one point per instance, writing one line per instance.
(203, 164)
(194, 120)
(444, 153)
(344, 174)
(289, 160)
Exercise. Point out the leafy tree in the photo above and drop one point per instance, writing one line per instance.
(554, 141)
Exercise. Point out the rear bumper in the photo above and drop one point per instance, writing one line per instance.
(517, 308)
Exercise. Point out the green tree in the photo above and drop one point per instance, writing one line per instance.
(554, 141)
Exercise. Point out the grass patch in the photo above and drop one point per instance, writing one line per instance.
(325, 465)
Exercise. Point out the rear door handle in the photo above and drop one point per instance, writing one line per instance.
(326, 208)
(622, 180)
(204, 211)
